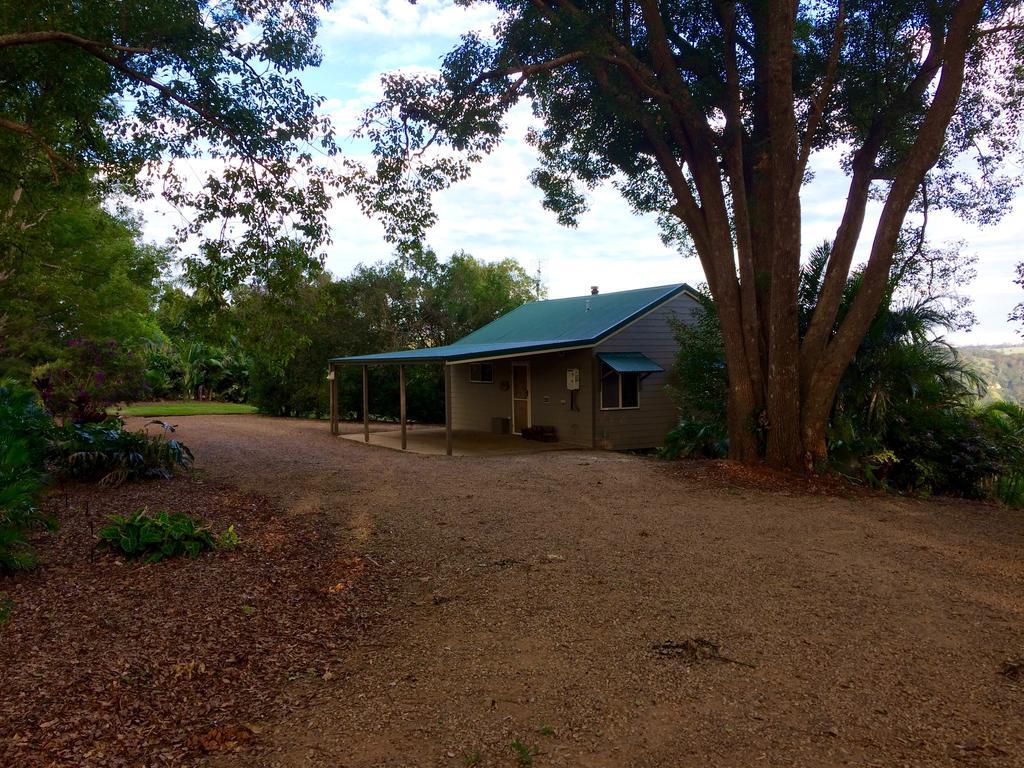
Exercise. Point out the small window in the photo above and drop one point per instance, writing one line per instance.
(619, 390)
(481, 373)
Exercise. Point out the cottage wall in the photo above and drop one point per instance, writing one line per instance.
(646, 426)
(475, 404)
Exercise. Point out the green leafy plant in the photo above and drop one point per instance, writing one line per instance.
(524, 753)
(229, 539)
(111, 454)
(23, 417)
(20, 487)
(692, 438)
(154, 537)
(24, 427)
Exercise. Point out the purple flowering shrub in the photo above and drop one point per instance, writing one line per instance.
(89, 377)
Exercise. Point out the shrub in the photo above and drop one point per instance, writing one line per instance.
(692, 438)
(24, 430)
(88, 378)
(111, 454)
(1003, 423)
(164, 372)
(20, 486)
(155, 537)
(23, 418)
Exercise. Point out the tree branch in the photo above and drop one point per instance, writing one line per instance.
(841, 257)
(822, 96)
(101, 50)
(923, 155)
(51, 154)
(13, 39)
(527, 69)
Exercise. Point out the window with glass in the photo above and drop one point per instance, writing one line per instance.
(619, 390)
(481, 373)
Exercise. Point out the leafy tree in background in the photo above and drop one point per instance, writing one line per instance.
(135, 90)
(465, 293)
(79, 271)
(416, 300)
(707, 114)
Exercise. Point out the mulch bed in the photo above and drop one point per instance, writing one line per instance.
(108, 662)
(726, 474)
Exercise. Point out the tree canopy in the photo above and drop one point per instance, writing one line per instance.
(707, 114)
(197, 101)
(76, 271)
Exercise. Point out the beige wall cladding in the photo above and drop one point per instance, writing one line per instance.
(474, 405)
(646, 426)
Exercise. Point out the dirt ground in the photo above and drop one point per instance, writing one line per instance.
(579, 608)
(545, 601)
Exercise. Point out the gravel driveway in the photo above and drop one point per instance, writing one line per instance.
(579, 608)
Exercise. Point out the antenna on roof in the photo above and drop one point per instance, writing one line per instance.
(537, 281)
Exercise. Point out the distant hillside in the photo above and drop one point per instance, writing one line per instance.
(1002, 367)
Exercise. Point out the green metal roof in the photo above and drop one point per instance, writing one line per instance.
(539, 326)
(629, 362)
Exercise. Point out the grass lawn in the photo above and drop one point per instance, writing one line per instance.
(190, 408)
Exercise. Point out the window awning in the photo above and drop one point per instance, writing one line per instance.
(629, 362)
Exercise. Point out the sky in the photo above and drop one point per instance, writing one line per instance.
(497, 213)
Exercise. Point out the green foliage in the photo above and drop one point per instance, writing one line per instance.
(88, 378)
(157, 536)
(24, 427)
(109, 453)
(524, 753)
(691, 438)
(137, 85)
(698, 383)
(906, 414)
(164, 371)
(79, 271)
(24, 419)
(20, 487)
(597, 125)
(229, 539)
(1003, 424)
(413, 301)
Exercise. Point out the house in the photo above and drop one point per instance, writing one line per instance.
(591, 367)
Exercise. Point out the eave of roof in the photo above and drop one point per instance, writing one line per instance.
(466, 349)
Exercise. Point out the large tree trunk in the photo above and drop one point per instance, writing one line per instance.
(737, 192)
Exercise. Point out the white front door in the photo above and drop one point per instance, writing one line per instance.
(520, 397)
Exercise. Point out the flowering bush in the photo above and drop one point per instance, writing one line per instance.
(89, 377)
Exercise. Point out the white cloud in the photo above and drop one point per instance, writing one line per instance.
(393, 19)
